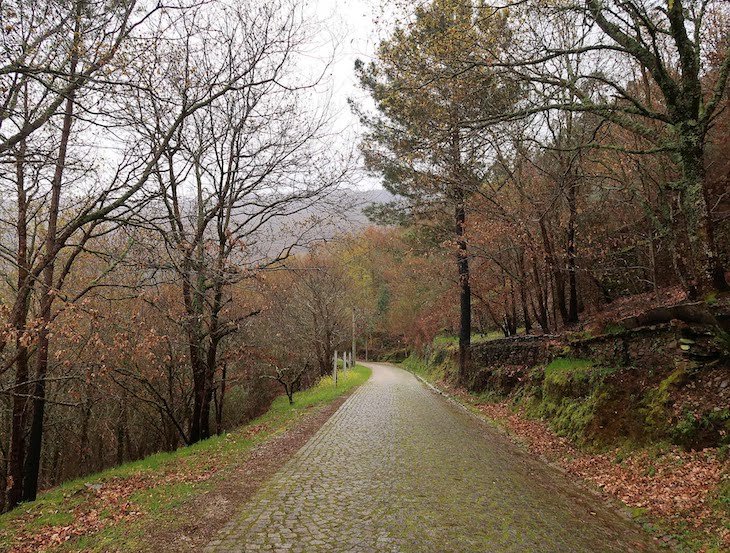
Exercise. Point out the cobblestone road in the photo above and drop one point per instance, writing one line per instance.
(398, 468)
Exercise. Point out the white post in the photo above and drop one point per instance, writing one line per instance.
(353, 337)
(334, 370)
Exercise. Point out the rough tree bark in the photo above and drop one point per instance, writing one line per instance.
(462, 261)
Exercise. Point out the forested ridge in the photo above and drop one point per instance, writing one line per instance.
(173, 191)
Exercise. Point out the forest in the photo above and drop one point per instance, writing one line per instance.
(172, 193)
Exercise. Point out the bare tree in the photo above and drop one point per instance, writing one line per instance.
(317, 303)
(614, 47)
(55, 223)
(289, 378)
(229, 177)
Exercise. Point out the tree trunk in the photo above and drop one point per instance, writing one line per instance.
(121, 430)
(511, 313)
(559, 284)
(462, 260)
(210, 368)
(571, 254)
(194, 301)
(198, 394)
(541, 312)
(220, 399)
(653, 261)
(709, 271)
(84, 448)
(523, 293)
(21, 389)
(35, 443)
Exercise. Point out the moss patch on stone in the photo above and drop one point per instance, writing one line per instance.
(656, 403)
(571, 394)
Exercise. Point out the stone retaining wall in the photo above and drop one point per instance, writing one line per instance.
(651, 348)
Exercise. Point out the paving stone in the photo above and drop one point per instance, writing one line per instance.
(400, 469)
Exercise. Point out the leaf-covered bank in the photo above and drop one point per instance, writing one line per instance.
(617, 433)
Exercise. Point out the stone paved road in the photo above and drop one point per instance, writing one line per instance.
(399, 468)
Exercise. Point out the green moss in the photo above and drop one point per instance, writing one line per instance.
(416, 365)
(449, 340)
(487, 396)
(579, 335)
(722, 339)
(571, 417)
(438, 357)
(655, 406)
(711, 298)
(571, 394)
(438, 365)
(563, 370)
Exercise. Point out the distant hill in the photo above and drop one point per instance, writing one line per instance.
(358, 200)
(341, 212)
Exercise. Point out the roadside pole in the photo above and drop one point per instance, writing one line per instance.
(353, 337)
(334, 370)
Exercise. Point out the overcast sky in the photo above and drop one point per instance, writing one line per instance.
(351, 24)
(351, 30)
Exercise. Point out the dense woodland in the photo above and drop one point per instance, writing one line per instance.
(167, 177)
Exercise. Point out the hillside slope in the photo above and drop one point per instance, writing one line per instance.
(173, 501)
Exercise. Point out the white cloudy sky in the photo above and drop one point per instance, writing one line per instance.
(351, 31)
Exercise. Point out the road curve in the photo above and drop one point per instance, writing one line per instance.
(399, 468)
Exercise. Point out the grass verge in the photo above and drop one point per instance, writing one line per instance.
(114, 510)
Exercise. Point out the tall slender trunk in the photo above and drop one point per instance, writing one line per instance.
(197, 364)
(35, 443)
(511, 312)
(653, 261)
(198, 367)
(121, 430)
(329, 351)
(220, 401)
(557, 274)
(210, 368)
(462, 260)
(320, 346)
(523, 293)
(462, 256)
(571, 253)
(193, 286)
(214, 334)
(709, 271)
(541, 312)
(84, 444)
(21, 389)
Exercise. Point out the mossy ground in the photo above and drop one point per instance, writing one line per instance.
(160, 482)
